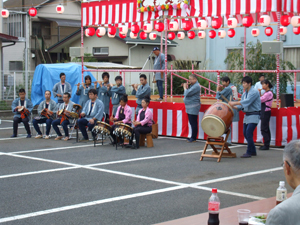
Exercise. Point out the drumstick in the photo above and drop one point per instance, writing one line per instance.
(224, 98)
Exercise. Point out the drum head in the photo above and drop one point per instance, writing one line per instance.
(213, 126)
(74, 115)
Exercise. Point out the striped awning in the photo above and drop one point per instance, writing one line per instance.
(119, 12)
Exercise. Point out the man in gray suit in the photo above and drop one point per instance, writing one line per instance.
(287, 212)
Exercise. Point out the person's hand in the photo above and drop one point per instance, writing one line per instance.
(231, 103)
(49, 112)
(111, 85)
(95, 83)
(18, 107)
(220, 88)
(59, 95)
(111, 119)
(91, 121)
(235, 107)
(132, 85)
(78, 85)
(83, 85)
(57, 112)
(100, 84)
(185, 85)
(108, 87)
(82, 114)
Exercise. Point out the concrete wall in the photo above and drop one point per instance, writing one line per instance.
(13, 53)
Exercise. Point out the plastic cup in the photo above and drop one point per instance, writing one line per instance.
(243, 216)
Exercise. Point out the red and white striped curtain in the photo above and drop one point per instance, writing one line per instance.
(119, 12)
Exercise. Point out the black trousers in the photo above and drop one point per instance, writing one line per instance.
(265, 127)
(193, 120)
(140, 130)
(107, 119)
(18, 120)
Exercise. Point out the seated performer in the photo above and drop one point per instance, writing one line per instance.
(141, 92)
(83, 90)
(61, 87)
(143, 123)
(192, 104)
(22, 116)
(227, 92)
(251, 105)
(67, 105)
(45, 109)
(104, 93)
(116, 92)
(123, 115)
(91, 113)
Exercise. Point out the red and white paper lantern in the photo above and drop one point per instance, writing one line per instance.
(135, 28)
(212, 34)
(32, 12)
(187, 25)
(295, 21)
(143, 35)
(181, 35)
(201, 34)
(101, 31)
(255, 32)
(173, 25)
(4, 13)
(265, 20)
(147, 28)
(123, 29)
(232, 23)
(222, 34)
(152, 36)
(111, 35)
(191, 35)
(269, 31)
(112, 30)
(285, 20)
(296, 30)
(89, 32)
(231, 33)
(122, 35)
(202, 24)
(171, 35)
(159, 26)
(133, 35)
(247, 21)
(283, 30)
(216, 23)
(60, 9)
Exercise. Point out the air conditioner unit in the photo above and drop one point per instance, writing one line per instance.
(76, 51)
(272, 47)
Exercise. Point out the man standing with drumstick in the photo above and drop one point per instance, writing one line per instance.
(192, 104)
(159, 64)
(251, 105)
(225, 94)
(141, 91)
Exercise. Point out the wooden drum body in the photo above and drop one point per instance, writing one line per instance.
(217, 119)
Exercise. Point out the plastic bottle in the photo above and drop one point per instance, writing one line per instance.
(213, 208)
(281, 193)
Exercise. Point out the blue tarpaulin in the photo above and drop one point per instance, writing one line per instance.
(47, 75)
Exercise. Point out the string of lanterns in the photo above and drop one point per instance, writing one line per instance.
(33, 11)
(187, 25)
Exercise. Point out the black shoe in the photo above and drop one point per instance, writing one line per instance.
(246, 156)
(263, 148)
(83, 139)
(253, 154)
(13, 136)
(134, 147)
(28, 136)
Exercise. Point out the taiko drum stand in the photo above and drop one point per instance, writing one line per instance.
(220, 141)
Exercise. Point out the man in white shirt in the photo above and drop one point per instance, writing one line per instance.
(287, 212)
(258, 85)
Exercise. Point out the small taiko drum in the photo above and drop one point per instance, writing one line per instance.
(123, 130)
(217, 119)
(102, 128)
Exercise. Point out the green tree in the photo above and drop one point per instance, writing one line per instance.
(257, 61)
(87, 58)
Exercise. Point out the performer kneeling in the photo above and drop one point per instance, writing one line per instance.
(251, 105)
(123, 115)
(22, 108)
(92, 112)
(45, 110)
(67, 105)
(143, 124)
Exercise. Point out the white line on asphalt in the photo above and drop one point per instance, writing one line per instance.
(86, 204)
(51, 149)
(7, 121)
(5, 139)
(229, 192)
(237, 176)
(178, 138)
(37, 172)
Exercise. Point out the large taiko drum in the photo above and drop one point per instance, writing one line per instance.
(217, 119)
